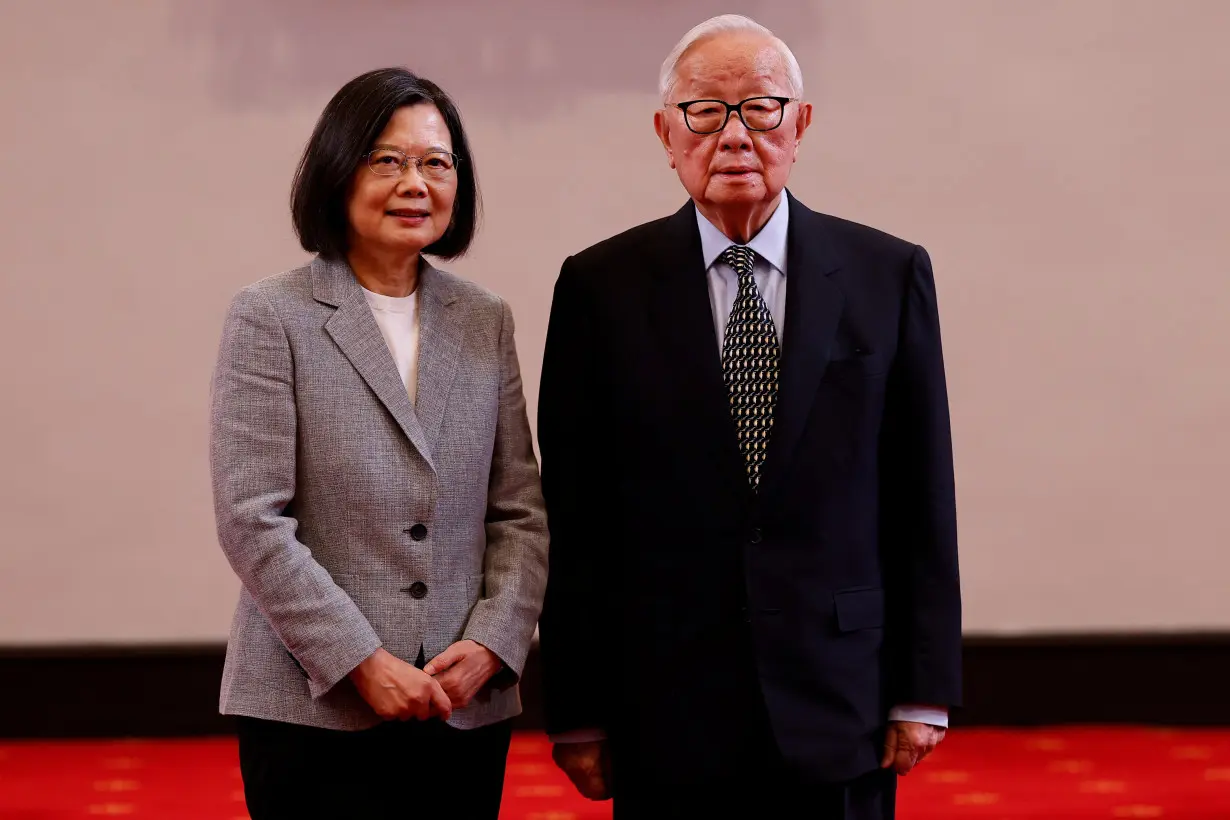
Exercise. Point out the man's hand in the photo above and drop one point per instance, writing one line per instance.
(396, 690)
(587, 765)
(463, 669)
(908, 743)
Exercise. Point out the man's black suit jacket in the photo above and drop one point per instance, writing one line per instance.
(843, 568)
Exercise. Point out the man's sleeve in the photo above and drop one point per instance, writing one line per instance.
(576, 643)
(918, 506)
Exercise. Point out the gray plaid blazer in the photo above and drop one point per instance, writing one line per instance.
(355, 519)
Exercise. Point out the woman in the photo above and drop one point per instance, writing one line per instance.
(374, 483)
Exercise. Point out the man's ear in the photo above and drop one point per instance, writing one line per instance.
(662, 127)
(802, 122)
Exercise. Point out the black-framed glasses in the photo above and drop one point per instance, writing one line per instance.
(390, 162)
(711, 116)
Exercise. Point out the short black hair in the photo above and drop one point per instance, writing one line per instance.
(351, 121)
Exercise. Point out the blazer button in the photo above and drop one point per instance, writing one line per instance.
(417, 590)
(418, 532)
(754, 536)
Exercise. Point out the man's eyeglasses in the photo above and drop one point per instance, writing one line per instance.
(389, 162)
(711, 116)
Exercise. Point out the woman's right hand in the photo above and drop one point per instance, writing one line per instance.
(397, 690)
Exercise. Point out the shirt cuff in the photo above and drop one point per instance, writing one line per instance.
(579, 736)
(931, 715)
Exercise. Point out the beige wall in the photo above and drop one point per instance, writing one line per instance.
(1062, 161)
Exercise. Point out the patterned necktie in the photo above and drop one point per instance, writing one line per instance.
(750, 357)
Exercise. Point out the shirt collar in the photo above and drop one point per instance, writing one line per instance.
(769, 244)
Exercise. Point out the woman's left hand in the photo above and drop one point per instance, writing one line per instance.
(463, 670)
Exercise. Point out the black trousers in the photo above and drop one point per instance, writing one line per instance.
(760, 794)
(395, 770)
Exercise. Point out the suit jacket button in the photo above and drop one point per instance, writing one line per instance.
(754, 536)
(418, 532)
(417, 590)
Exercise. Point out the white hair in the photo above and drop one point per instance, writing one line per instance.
(721, 24)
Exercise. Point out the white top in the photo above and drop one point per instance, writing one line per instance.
(398, 318)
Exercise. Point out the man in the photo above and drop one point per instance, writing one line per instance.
(753, 595)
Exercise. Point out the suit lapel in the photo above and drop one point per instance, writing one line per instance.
(440, 337)
(814, 306)
(356, 333)
(682, 315)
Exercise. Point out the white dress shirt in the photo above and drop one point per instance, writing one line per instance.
(769, 271)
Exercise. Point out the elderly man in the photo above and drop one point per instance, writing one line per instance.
(753, 596)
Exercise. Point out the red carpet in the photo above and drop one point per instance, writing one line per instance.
(1061, 774)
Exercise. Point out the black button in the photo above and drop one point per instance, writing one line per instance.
(417, 590)
(418, 532)
(754, 536)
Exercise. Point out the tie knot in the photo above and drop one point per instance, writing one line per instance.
(740, 258)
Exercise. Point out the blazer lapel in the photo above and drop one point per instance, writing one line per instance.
(683, 317)
(356, 333)
(814, 306)
(440, 337)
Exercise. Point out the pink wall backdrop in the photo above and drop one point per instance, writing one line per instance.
(1064, 163)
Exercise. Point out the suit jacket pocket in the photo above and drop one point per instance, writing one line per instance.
(387, 600)
(860, 365)
(859, 609)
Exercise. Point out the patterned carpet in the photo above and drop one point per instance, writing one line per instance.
(1059, 774)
